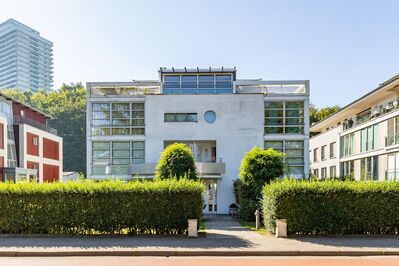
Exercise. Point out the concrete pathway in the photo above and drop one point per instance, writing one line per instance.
(223, 226)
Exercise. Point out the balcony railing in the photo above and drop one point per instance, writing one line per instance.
(352, 122)
(26, 120)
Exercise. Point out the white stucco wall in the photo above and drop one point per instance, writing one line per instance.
(318, 141)
(238, 127)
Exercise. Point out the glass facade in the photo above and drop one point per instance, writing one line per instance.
(114, 157)
(347, 144)
(294, 151)
(369, 138)
(369, 168)
(347, 169)
(393, 131)
(198, 84)
(392, 172)
(6, 111)
(118, 119)
(26, 59)
(284, 117)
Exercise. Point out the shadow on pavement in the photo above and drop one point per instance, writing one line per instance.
(354, 241)
(110, 241)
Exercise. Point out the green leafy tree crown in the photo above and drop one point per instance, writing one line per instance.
(176, 160)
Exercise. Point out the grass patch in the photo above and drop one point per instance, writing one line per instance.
(252, 226)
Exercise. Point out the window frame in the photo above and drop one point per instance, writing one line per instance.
(185, 120)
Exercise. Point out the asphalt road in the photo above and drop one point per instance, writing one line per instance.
(208, 261)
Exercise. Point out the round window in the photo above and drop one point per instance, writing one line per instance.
(210, 116)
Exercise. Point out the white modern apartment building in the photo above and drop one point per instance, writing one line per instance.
(219, 116)
(362, 139)
(26, 58)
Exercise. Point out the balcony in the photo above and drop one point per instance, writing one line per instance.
(26, 120)
(370, 114)
(204, 169)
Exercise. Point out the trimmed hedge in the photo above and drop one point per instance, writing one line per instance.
(107, 207)
(332, 207)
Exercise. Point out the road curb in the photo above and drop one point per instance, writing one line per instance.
(194, 253)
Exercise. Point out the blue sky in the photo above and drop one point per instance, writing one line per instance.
(345, 48)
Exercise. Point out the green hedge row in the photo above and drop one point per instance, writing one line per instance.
(108, 207)
(332, 207)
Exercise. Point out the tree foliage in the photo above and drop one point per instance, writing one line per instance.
(67, 107)
(260, 166)
(176, 160)
(318, 114)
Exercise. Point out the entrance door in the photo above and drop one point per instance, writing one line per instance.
(210, 197)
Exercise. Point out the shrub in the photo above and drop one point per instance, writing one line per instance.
(260, 166)
(107, 207)
(176, 160)
(332, 207)
(247, 200)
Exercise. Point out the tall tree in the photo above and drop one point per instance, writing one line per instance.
(67, 107)
(318, 114)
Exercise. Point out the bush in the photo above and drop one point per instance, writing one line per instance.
(332, 207)
(108, 207)
(246, 199)
(176, 160)
(261, 166)
(258, 167)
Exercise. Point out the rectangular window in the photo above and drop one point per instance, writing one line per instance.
(315, 155)
(276, 145)
(332, 149)
(393, 131)
(316, 173)
(294, 151)
(347, 144)
(323, 152)
(347, 169)
(274, 118)
(117, 119)
(363, 116)
(284, 117)
(323, 172)
(115, 157)
(392, 173)
(369, 138)
(369, 168)
(198, 84)
(333, 171)
(180, 117)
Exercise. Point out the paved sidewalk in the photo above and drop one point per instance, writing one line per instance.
(224, 237)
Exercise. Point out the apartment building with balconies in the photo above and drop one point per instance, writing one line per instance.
(361, 140)
(29, 149)
(217, 115)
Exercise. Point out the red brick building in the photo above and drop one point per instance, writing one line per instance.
(29, 149)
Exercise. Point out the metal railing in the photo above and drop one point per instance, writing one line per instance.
(353, 122)
(26, 120)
